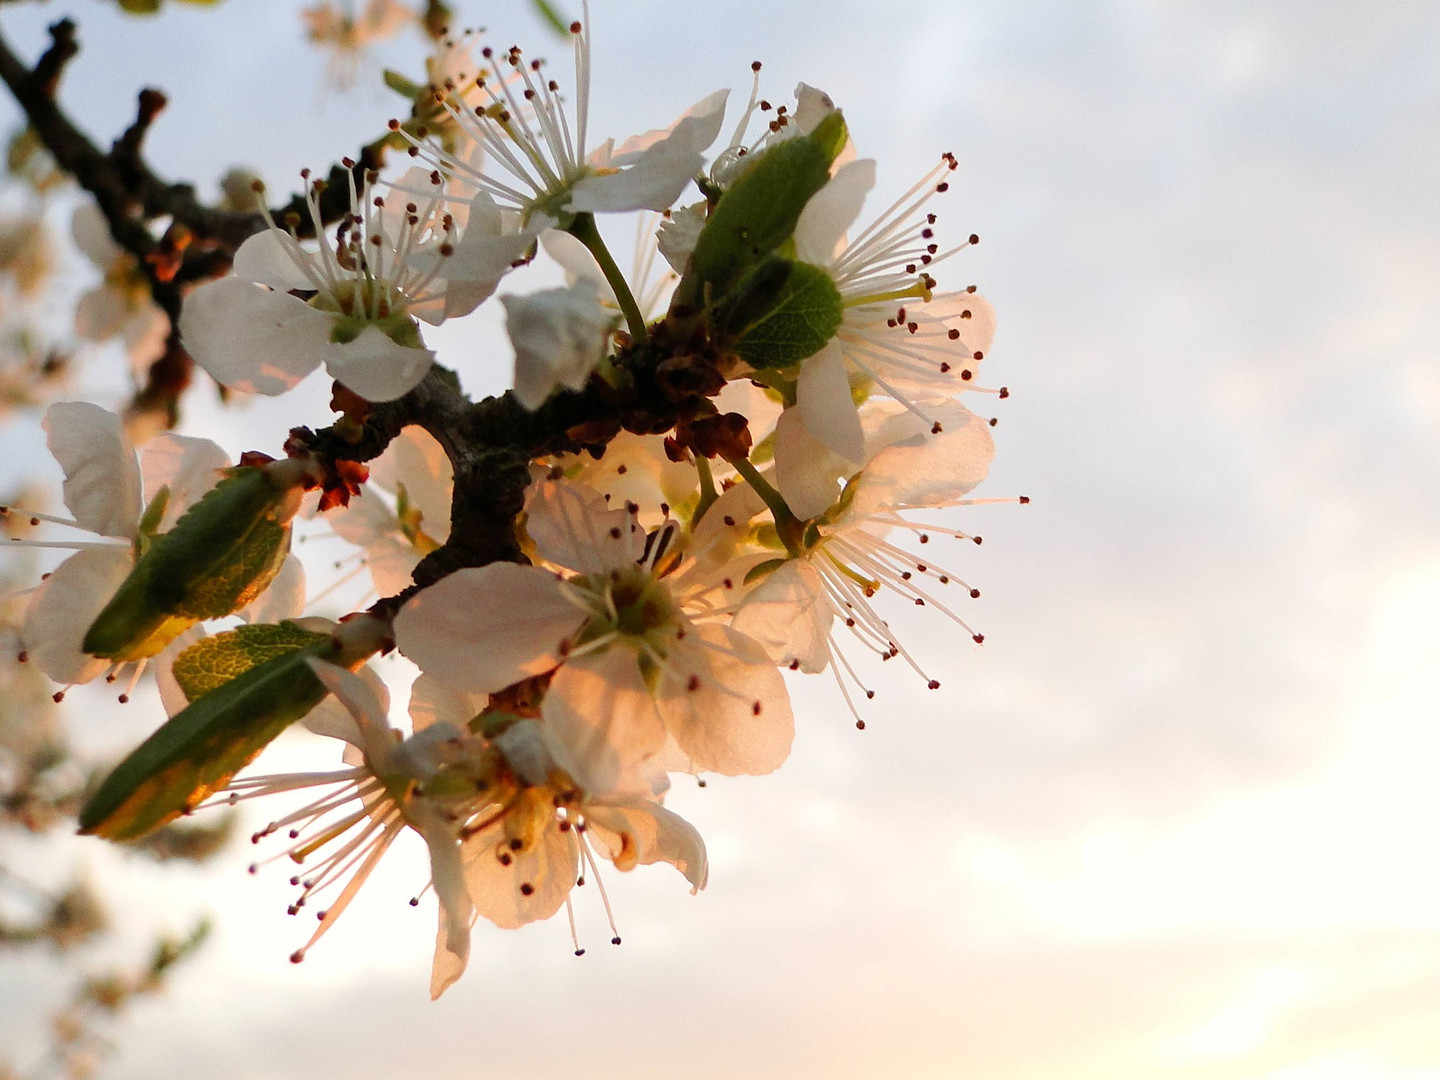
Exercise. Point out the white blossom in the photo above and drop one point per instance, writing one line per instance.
(523, 127)
(559, 336)
(630, 639)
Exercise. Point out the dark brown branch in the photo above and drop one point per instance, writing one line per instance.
(130, 195)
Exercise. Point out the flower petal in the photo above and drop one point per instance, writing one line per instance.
(639, 831)
(806, 471)
(787, 614)
(435, 702)
(820, 232)
(102, 478)
(928, 470)
(601, 721)
(252, 339)
(548, 866)
(65, 605)
(822, 393)
(737, 720)
(188, 467)
(273, 258)
(91, 233)
(572, 526)
(377, 368)
(481, 629)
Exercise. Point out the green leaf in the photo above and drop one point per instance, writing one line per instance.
(779, 320)
(219, 557)
(140, 7)
(407, 89)
(201, 747)
(210, 663)
(757, 213)
(546, 11)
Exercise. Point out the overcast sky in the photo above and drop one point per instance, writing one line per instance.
(1176, 816)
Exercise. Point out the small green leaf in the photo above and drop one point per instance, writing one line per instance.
(757, 214)
(219, 557)
(777, 327)
(546, 11)
(201, 747)
(210, 663)
(411, 91)
(140, 7)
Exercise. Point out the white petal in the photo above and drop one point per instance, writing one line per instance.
(102, 478)
(548, 866)
(806, 471)
(189, 467)
(367, 704)
(930, 471)
(389, 557)
(820, 232)
(273, 258)
(145, 334)
(787, 614)
(738, 720)
(559, 336)
(600, 720)
(377, 368)
(101, 313)
(481, 629)
(527, 752)
(644, 832)
(678, 235)
(171, 696)
(822, 393)
(252, 339)
(447, 872)
(576, 260)
(333, 720)
(435, 702)
(572, 526)
(283, 598)
(67, 602)
(414, 458)
(655, 166)
(91, 233)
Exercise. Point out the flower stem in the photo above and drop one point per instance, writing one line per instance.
(583, 229)
(790, 528)
(708, 494)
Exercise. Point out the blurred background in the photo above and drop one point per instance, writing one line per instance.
(1176, 817)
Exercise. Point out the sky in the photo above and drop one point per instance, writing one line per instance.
(1175, 817)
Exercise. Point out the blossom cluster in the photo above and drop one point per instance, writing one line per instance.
(674, 556)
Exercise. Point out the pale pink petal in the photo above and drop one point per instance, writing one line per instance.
(807, 472)
(820, 232)
(389, 557)
(576, 260)
(573, 527)
(548, 866)
(102, 478)
(601, 721)
(189, 467)
(171, 696)
(822, 393)
(62, 610)
(638, 831)
(737, 719)
(253, 339)
(447, 873)
(368, 705)
(435, 702)
(929, 469)
(377, 368)
(91, 233)
(414, 458)
(101, 313)
(787, 614)
(481, 629)
(273, 258)
(654, 168)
